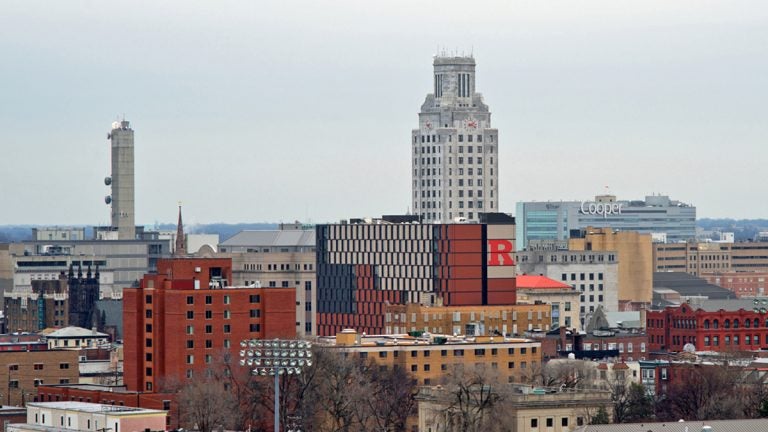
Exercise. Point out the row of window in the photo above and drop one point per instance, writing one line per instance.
(37, 366)
(460, 160)
(479, 352)
(440, 138)
(707, 324)
(436, 150)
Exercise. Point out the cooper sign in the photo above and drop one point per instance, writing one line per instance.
(604, 209)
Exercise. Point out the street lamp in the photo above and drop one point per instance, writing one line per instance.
(276, 357)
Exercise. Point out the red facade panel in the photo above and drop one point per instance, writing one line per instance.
(461, 232)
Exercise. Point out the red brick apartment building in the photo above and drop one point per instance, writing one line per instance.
(712, 325)
(181, 318)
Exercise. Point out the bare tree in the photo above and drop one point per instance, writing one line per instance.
(204, 404)
(563, 373)
(702, 392)
(392, 398)
(631, 403)
(474, 400)
(339, 392)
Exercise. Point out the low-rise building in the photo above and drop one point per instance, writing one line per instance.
(84, 416)
(745, 425)
(710, 325)
(563, 299)
(75, 338)
(511, 320)
(116, 396)
(25, 371)
(614, 344)
(743, 284)
(429, 359)
(529, 408)
(654, 376)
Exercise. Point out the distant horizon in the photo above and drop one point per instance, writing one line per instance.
(698, 219)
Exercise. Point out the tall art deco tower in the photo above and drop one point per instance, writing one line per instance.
(455, 150)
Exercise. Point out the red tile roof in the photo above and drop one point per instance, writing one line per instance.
(538, 282)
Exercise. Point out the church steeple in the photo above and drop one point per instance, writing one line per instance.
(181, 249)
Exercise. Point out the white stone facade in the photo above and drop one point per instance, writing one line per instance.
(455, 150)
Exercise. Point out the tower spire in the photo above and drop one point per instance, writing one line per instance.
(181, 250)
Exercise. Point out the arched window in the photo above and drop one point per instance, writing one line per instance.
(716, 324)
(757, 323)
(727, 324)
(736, 323)
(706, 324)
(747, 323)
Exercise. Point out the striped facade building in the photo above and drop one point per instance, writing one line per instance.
(363, 266)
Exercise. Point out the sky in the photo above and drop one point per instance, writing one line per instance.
(302, 110)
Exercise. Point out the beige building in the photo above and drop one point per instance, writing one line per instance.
(529, 409)
(431, 359)
(635, 256)
(563, 299)
(283, 258)
(75, 338)
(512, 320)
(700, 258)
(85, 416)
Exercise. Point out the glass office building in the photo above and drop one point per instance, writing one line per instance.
(668, 220)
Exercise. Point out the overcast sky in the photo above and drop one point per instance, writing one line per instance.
(281, 110)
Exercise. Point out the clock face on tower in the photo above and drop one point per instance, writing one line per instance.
(428, 125)
(472, 123)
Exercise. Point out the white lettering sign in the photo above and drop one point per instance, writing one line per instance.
(603, 209)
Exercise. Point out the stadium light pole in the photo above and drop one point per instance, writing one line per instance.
(275, 357)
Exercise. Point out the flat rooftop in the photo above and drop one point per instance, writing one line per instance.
(88, 407)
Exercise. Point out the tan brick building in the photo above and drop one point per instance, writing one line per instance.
(24, 371)
(429, 360)
(635, 255)
(700, 258)
(512, 320)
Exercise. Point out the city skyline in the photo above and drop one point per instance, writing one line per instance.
(283, 111)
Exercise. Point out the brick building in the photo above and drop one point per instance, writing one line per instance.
(47, 305)
(743, 284)
(365, 264)
(24, 371)
(113, 395)
(512, 320)
(563, 299)
(181, 318)
(700, 258)
(70, 415)
(710, 325)
(428, 360)
(598, 345)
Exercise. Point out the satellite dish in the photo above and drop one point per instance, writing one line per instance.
(107, 180)
(108, 199)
